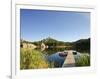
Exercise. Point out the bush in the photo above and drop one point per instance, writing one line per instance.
(83, 60)
(32, 59)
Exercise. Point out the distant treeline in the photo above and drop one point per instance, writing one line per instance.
(82, 45)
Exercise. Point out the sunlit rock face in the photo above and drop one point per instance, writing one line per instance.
(43, 46)
(28, 45)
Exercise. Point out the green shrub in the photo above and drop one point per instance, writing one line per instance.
(32, 59)
(83, 60)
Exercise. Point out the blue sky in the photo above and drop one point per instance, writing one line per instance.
(60, 25)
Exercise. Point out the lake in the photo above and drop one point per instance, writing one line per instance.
(52, 55)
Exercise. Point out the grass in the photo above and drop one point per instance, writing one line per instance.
(83, 60)
(32, 59)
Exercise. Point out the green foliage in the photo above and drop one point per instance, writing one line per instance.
(82, 45)
(83, 60)
(51, 64)
(32, 59)
(52, 43)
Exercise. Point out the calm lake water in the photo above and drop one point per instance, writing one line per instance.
(52, 55)
(57, 59)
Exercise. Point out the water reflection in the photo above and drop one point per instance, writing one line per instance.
(58, 60)
(52, 55)
(78, 55)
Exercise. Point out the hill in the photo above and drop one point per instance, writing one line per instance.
(81, 45)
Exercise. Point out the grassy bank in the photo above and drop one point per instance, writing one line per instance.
(32, 59)
(83, 60)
